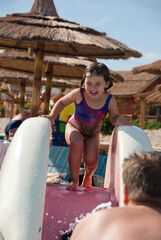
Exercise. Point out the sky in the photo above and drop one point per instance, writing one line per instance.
(135, 23)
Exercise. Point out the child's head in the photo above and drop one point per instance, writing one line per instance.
(98, 69)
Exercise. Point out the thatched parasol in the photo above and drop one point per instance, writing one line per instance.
(64, 68)
(24, 80)
(15, 77)
(5, 95)
(60, 36)
(19, 79)
(154, 68)
(151, 98)
(51, 34)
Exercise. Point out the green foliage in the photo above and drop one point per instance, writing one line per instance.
(107, 126)
(27, 106)
(151, 124)
(1, 106)
(18, 107)
(136, 122)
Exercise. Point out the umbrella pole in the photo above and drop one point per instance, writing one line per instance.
(142, 114)
(12, 106)
(49, 74)
(37, 79)
(22, 96)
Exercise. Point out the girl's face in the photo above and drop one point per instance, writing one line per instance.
(94, 86)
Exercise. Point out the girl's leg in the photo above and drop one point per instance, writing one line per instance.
(91, 154)
(75, 141)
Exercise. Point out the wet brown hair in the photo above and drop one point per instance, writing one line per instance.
(142, 177)
(99, 69)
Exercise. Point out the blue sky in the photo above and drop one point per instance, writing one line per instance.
(136, 23)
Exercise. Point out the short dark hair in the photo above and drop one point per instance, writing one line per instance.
(12, 124)
(99, 69)
(142, 177)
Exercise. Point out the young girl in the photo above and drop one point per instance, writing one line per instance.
(82, 133)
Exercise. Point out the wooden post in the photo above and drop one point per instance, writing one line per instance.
(22, 95)
(37, 79)
(142, 113)
(49, 74)
(12, 106)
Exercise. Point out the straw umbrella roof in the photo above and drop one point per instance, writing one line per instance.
(127, 88)
(14, 89)
(130, 76)
(4, 94)
(65, 68)
(19, 87)
(47, 8)
(154, 68)
(62, 37)
(42, 32)
(152, 98)
(133, 84)
(21, 84)
(115, 76)
(15, 77)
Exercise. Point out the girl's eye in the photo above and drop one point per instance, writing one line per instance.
(98, 84)
(88, 83)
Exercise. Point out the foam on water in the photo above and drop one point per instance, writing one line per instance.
(67, 233)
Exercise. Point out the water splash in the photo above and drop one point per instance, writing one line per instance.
(67, 233)
(102, 206)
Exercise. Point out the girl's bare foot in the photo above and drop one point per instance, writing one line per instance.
(73, 186)
(87, 181)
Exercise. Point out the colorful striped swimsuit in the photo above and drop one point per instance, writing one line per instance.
(88, 120)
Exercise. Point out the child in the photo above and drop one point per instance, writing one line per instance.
(82, 133)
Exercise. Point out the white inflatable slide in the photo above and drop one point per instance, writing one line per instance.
(24, 170)
(125, 141)
(23, 181)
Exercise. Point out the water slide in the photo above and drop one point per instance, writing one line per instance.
(30, 209)
(23, 181)
(125, 141)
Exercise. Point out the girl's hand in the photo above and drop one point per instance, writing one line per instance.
(52, 120)
(114, 115)
(122, 121)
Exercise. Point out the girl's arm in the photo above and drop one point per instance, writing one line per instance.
(61, 103)
(114, 115)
